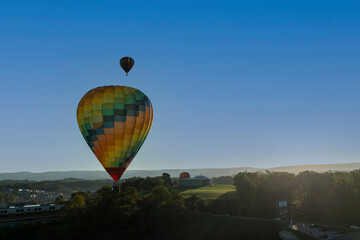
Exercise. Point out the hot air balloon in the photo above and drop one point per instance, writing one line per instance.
(127, 63)
(114, 121)
(184, 175)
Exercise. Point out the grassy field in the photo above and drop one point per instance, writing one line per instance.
(208, 192)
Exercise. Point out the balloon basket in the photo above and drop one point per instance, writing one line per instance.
(116, 187)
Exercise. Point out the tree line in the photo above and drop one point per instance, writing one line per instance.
(161, 213)
(329, 197)
(6, 198)
(318, 197)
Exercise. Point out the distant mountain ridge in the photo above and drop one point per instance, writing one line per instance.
(210, 172)
(318, 167)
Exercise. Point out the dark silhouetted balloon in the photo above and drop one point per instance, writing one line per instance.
(127, 63)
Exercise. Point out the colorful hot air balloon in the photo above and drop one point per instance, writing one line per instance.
(127, 63)
(184, 175)
(115, 120)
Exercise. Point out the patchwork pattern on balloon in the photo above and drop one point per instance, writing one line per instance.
(115, 121)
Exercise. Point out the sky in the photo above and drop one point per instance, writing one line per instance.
(232, 83)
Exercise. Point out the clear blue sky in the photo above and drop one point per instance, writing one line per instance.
(233, 83)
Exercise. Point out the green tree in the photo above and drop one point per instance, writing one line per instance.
(150, 183)
(160, 196)
(167, 180)
(7, 198)
(246, 187)
(194, 203)
(2, 200)
(76, 201)
(60, 200)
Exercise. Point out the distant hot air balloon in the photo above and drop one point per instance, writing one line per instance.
(115, 120)
(184, 175)
(127, 63)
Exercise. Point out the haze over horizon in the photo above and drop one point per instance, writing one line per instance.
(209, 172)
(157, 169)
(233, 84)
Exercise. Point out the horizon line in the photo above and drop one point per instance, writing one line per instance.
(100, 170)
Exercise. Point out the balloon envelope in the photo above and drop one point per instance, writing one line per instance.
(127, 63)
(114, 121)
(184, 175)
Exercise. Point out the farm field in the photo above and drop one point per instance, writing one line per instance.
(208, 192)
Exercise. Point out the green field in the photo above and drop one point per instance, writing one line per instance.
(208, 192)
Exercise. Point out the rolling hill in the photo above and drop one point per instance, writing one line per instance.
(210, 172)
